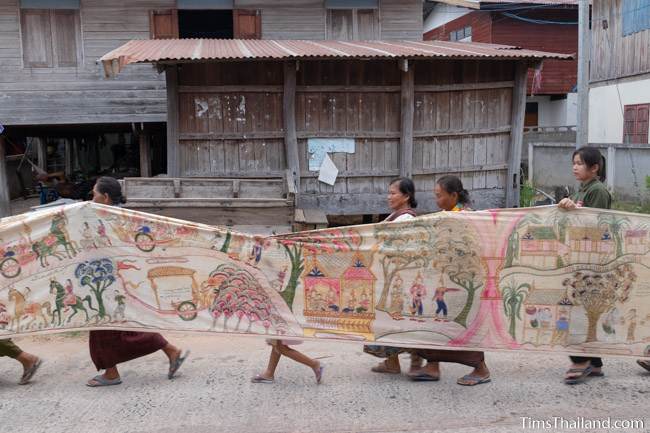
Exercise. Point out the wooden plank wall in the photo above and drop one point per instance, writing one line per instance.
(231, 124)
(231, 120)
(457, 129)
(615, 55)
(460, 130)
(357, 99)
(81, 94)
(307, 19)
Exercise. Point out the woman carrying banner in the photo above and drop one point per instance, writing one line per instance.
(451, 196)
(31, 363)
(589, 170)
(109, 348)
(401, 200)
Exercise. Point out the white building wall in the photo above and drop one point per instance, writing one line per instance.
(561, 112)
(442, 14)
(606, 106)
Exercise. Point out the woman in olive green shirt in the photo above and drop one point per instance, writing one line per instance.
(589, 170)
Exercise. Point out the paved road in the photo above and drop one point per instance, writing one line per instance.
(213, 393)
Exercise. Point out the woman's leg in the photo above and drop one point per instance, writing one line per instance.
(274, 359)
(297, 356)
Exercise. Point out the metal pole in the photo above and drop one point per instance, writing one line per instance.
(582, 133)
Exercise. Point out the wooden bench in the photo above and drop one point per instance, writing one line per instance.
(216, 201)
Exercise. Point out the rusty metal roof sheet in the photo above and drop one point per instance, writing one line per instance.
(485, 4)
(170, 50)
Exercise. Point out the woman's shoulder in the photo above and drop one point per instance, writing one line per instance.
(404, 217)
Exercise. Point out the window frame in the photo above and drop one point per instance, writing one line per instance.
(627, 134)
(54, 61)
(376, 17)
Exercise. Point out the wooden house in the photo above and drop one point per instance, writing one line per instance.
(547, 317)
(255, 109)
(620, 82)
(60, 110)
(549, 25)
(636, 241)
(539, 247)
(590, 244)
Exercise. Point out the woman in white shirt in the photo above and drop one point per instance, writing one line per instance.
(402, 202)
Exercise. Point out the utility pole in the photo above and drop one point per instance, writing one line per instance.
(582, 133)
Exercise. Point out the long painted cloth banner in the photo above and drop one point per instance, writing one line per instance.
(539, 279)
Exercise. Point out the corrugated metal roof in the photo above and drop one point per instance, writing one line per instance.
(169, 50)
(485, 4)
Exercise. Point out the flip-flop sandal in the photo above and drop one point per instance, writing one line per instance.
(260, 379)
(644, 363)
(174, 366)
(30, 372)
(473, 380)
(102, 381)
(424, 377)
(319, 375)
(596, 374)
(584, 374)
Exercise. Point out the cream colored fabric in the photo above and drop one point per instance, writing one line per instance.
(523, 279)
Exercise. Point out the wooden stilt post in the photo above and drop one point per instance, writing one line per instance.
(407, 116)
(5, 202)
(289, 116)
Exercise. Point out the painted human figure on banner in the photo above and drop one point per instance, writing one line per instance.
(70, 298)
(396, 298)
(418, 292)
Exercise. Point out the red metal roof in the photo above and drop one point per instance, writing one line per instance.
(170, 50)
(477, 4)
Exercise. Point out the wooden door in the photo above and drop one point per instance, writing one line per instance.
(247, 24)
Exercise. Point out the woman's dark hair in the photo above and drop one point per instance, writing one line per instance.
(592, 156)
(111, 187)
(452, 184)
(406, 187)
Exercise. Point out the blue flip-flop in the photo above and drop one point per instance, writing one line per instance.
(473, 380)
(174, 366)
(102, 381)
(319, 375)
(258, 378)
(30, 372)
(424, 377)
(584, 374)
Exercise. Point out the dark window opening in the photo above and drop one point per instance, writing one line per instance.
(532, 114)
(215, 24)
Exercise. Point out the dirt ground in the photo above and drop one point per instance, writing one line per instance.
(213, 393)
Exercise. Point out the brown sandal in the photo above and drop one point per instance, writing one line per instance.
(382, 368)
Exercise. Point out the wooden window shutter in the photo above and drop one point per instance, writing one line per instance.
(65, 37)
(163, 24)
(37, 38)
(367, 24)
(642, 121)
(629, 123)
(247, 24)
(339, 25)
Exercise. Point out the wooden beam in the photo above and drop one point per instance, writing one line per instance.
(348, 89)
(145, 154)
(41, 153)
(68, 149)
(173, 150)
(230, 89)
(289, 120)
(516, 134)
(464, 86)
(5, 201)
(407, 116)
